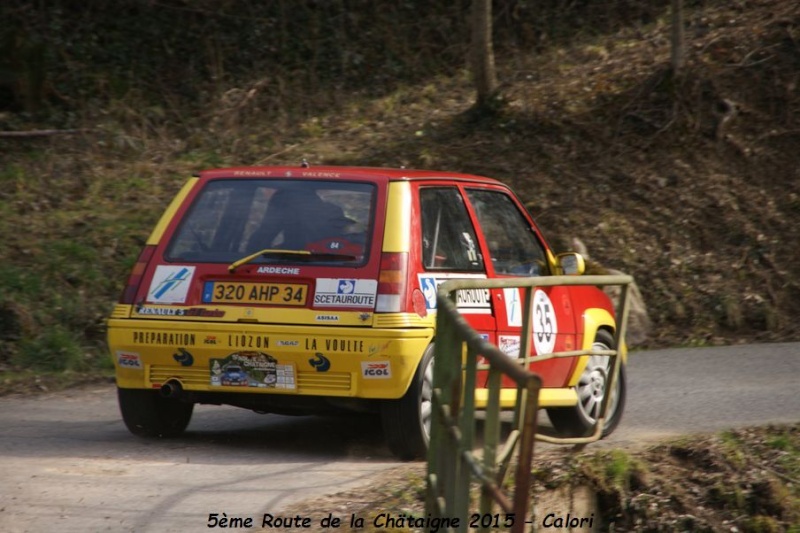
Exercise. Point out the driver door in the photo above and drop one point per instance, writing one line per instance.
(515, 249)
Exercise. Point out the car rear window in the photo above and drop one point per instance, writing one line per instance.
(230, 219)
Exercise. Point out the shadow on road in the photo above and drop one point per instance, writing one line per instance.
(87, 423)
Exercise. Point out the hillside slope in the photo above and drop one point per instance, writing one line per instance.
(690, 182)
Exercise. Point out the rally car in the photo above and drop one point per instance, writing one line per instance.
(319, 285)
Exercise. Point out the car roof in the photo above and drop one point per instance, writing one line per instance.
(376, 174)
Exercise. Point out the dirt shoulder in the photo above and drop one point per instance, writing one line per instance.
(744, 480)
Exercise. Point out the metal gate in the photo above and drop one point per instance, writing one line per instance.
(455, 466)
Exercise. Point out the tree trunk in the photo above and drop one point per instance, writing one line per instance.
(482, 52)
(678, 58)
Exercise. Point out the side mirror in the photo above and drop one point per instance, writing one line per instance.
(571, 263)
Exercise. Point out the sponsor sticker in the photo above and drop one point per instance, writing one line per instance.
(343, 345)
(428, 285)
(334, 292)
(129, 360)
(513, 306)
(254, 370)
(159, 311)
(320, 363)
(184, 357)
(171, 311)
(203, 312)
(509, 345)
(472, 301)
(288, 343)
(376, 369)
(244, 340)
(278, 270)
(170, 284)
(164, 338)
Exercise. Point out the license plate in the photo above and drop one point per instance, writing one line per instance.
(255, 293)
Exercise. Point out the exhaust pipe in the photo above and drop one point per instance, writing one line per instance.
(171, 389)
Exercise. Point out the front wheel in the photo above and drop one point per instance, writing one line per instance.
(407, 421)
(580, 420)
(147, 414)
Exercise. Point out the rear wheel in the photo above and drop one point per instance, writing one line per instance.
(579, 421)
(407, 421)
(147, 414)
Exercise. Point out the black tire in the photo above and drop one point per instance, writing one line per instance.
(147, 414)
(579, 421)
(407, 421)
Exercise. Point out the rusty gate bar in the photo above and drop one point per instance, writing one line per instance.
(453, 463)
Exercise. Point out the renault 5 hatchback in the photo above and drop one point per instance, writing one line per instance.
(299, 290)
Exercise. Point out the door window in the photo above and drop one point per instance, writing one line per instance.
(448, 238)
(514, 249)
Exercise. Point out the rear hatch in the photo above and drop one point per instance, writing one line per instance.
(275, 250)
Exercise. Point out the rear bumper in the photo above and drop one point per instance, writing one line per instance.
(345, 362)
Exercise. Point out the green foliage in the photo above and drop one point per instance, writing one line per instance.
(57, 349)
(19, 282)
(732, 448)
(780, 442)
(614, 470)
(788, 444)
(618, 467)
(728, 496)
(761, 524)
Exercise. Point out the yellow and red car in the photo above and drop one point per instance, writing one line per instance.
(300, 290)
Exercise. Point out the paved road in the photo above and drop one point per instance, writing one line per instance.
(679, 391)
(68, 464)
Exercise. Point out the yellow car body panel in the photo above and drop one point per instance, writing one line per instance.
(547, 398)
(169, 213)
(593, 321)
(398, 215)
(148, 354)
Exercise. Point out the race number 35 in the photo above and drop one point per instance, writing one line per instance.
(545, 326)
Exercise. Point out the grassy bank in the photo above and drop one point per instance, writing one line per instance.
(742, 480)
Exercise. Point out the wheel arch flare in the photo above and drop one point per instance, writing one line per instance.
(594, 320)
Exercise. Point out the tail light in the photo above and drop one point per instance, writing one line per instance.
(392, 283)
(135, 279)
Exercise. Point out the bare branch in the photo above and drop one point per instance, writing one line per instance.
(41, 133)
